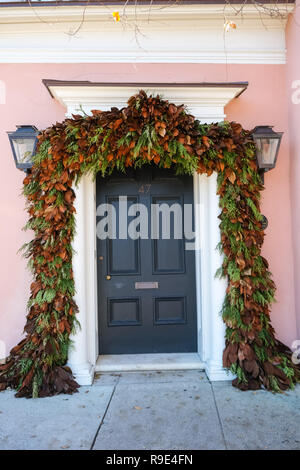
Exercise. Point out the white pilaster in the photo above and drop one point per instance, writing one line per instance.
(78, 354)
(213, 289)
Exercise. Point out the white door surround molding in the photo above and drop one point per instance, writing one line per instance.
(206, 101)
(207, 104)
(175, 33)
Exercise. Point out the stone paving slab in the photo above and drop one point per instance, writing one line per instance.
(174, 415)
(60, 422)
(258, 420)
(194, 376)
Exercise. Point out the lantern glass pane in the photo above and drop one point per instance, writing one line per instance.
(267, 150)
(23, 149)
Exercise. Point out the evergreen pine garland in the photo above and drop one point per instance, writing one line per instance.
(148, 131)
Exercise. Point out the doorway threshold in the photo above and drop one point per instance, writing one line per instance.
(142, 362)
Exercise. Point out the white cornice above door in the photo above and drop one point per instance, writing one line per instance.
(170, 34)
(206, 101)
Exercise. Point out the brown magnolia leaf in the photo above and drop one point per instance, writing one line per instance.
(205, 140)
(248, 351)
(232, 177)
(63, 254)
(17, 348)
(253, 384)
(69, 196)
(241, 355)
(237, 128)
(241, 262)
(230, 354)
(172, 109)
(28, 378)
(117, 123)
(60, 187)
(162, 132)
(67, 326)
(49, 350)
(240, 385)
(61, 326)
(274, 370)
(4, 367)
(64, 177)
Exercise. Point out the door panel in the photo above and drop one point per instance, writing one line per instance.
(123, 255)
(168, 254)
(170, 310)
(168, 257)
(146, 287)
(124, 312)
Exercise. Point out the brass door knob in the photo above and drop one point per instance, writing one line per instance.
(108, 278)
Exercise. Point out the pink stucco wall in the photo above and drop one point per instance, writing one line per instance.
(292, 75)
(28, 102)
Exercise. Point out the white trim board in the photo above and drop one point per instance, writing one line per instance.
(210, 291)
(172, 34)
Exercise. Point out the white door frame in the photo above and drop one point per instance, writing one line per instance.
(207, 104)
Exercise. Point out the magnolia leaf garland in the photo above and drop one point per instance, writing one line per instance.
(148, 131)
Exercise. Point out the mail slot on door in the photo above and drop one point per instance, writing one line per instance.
(146, 285)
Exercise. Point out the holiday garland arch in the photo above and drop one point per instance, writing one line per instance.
(148, 131)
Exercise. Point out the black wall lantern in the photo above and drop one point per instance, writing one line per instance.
(23, 143)
(267, 146)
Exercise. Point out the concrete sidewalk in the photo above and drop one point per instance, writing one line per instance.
(152, 410)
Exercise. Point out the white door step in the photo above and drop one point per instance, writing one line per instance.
(141, 362)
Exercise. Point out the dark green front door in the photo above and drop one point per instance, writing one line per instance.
(146, 287)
